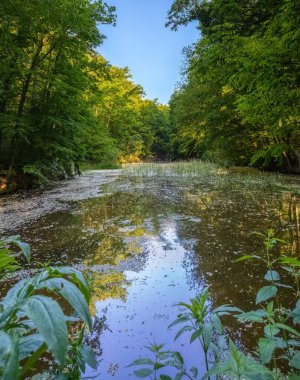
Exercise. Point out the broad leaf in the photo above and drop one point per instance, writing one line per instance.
(255, 315)
(23, 246)
(271, 330)
(295, 362)
(179, 376)
(29, 344)
(196, 334)
(72, 294)
(89, 356)
(272, 275)
(9, 357)
(296, 314)
(265, 293)
(50, 322)
(178, 357)
(266, 348)
(78, 278)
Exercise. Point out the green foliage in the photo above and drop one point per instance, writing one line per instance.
(239, 99)
(277, 355)
(32, 322)
(61, 103)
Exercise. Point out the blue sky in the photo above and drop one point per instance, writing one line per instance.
(140, 41)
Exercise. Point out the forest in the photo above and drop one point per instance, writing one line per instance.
(63, 104)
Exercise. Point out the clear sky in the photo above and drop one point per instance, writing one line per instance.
(140, 41)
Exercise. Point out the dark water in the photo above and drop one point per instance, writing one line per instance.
(154, 242)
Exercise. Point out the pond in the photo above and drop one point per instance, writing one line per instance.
(151, 238)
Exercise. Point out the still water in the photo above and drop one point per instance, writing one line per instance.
(149, 243)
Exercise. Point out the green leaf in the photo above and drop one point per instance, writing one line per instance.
(179, 376)
(178, 321)
(181, 331)
(272, 275)
(293, 376)
(226, 310)
(207, 334)
(290, 261)
(244, 258)
(178, 357)
(265, 293)
(165, 377)
(294, 342)
(271, 330)
(217, 324)
(296, 314)
(50, 322)
(295, 362)
(78, 278)
(255, 316)
(288, 328)
(158, 365)
(29, 344)
(9, 357)
(144, 372)
(141, 361)
(23, 246)
(89, 356)
(196, 335)
(194, 371)
(266, 348)
(72, 294)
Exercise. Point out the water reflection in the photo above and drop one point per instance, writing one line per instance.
(152, 243)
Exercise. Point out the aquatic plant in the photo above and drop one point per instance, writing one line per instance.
(33, 323)
(209, 174)
(277, 350)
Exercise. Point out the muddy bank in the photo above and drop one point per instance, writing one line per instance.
(21, 208)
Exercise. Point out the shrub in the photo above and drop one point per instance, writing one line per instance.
(33, 322)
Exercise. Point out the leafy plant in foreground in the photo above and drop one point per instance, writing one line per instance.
(33, 323)
(278, 347)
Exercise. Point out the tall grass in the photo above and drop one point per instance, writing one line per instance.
(210, 174)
